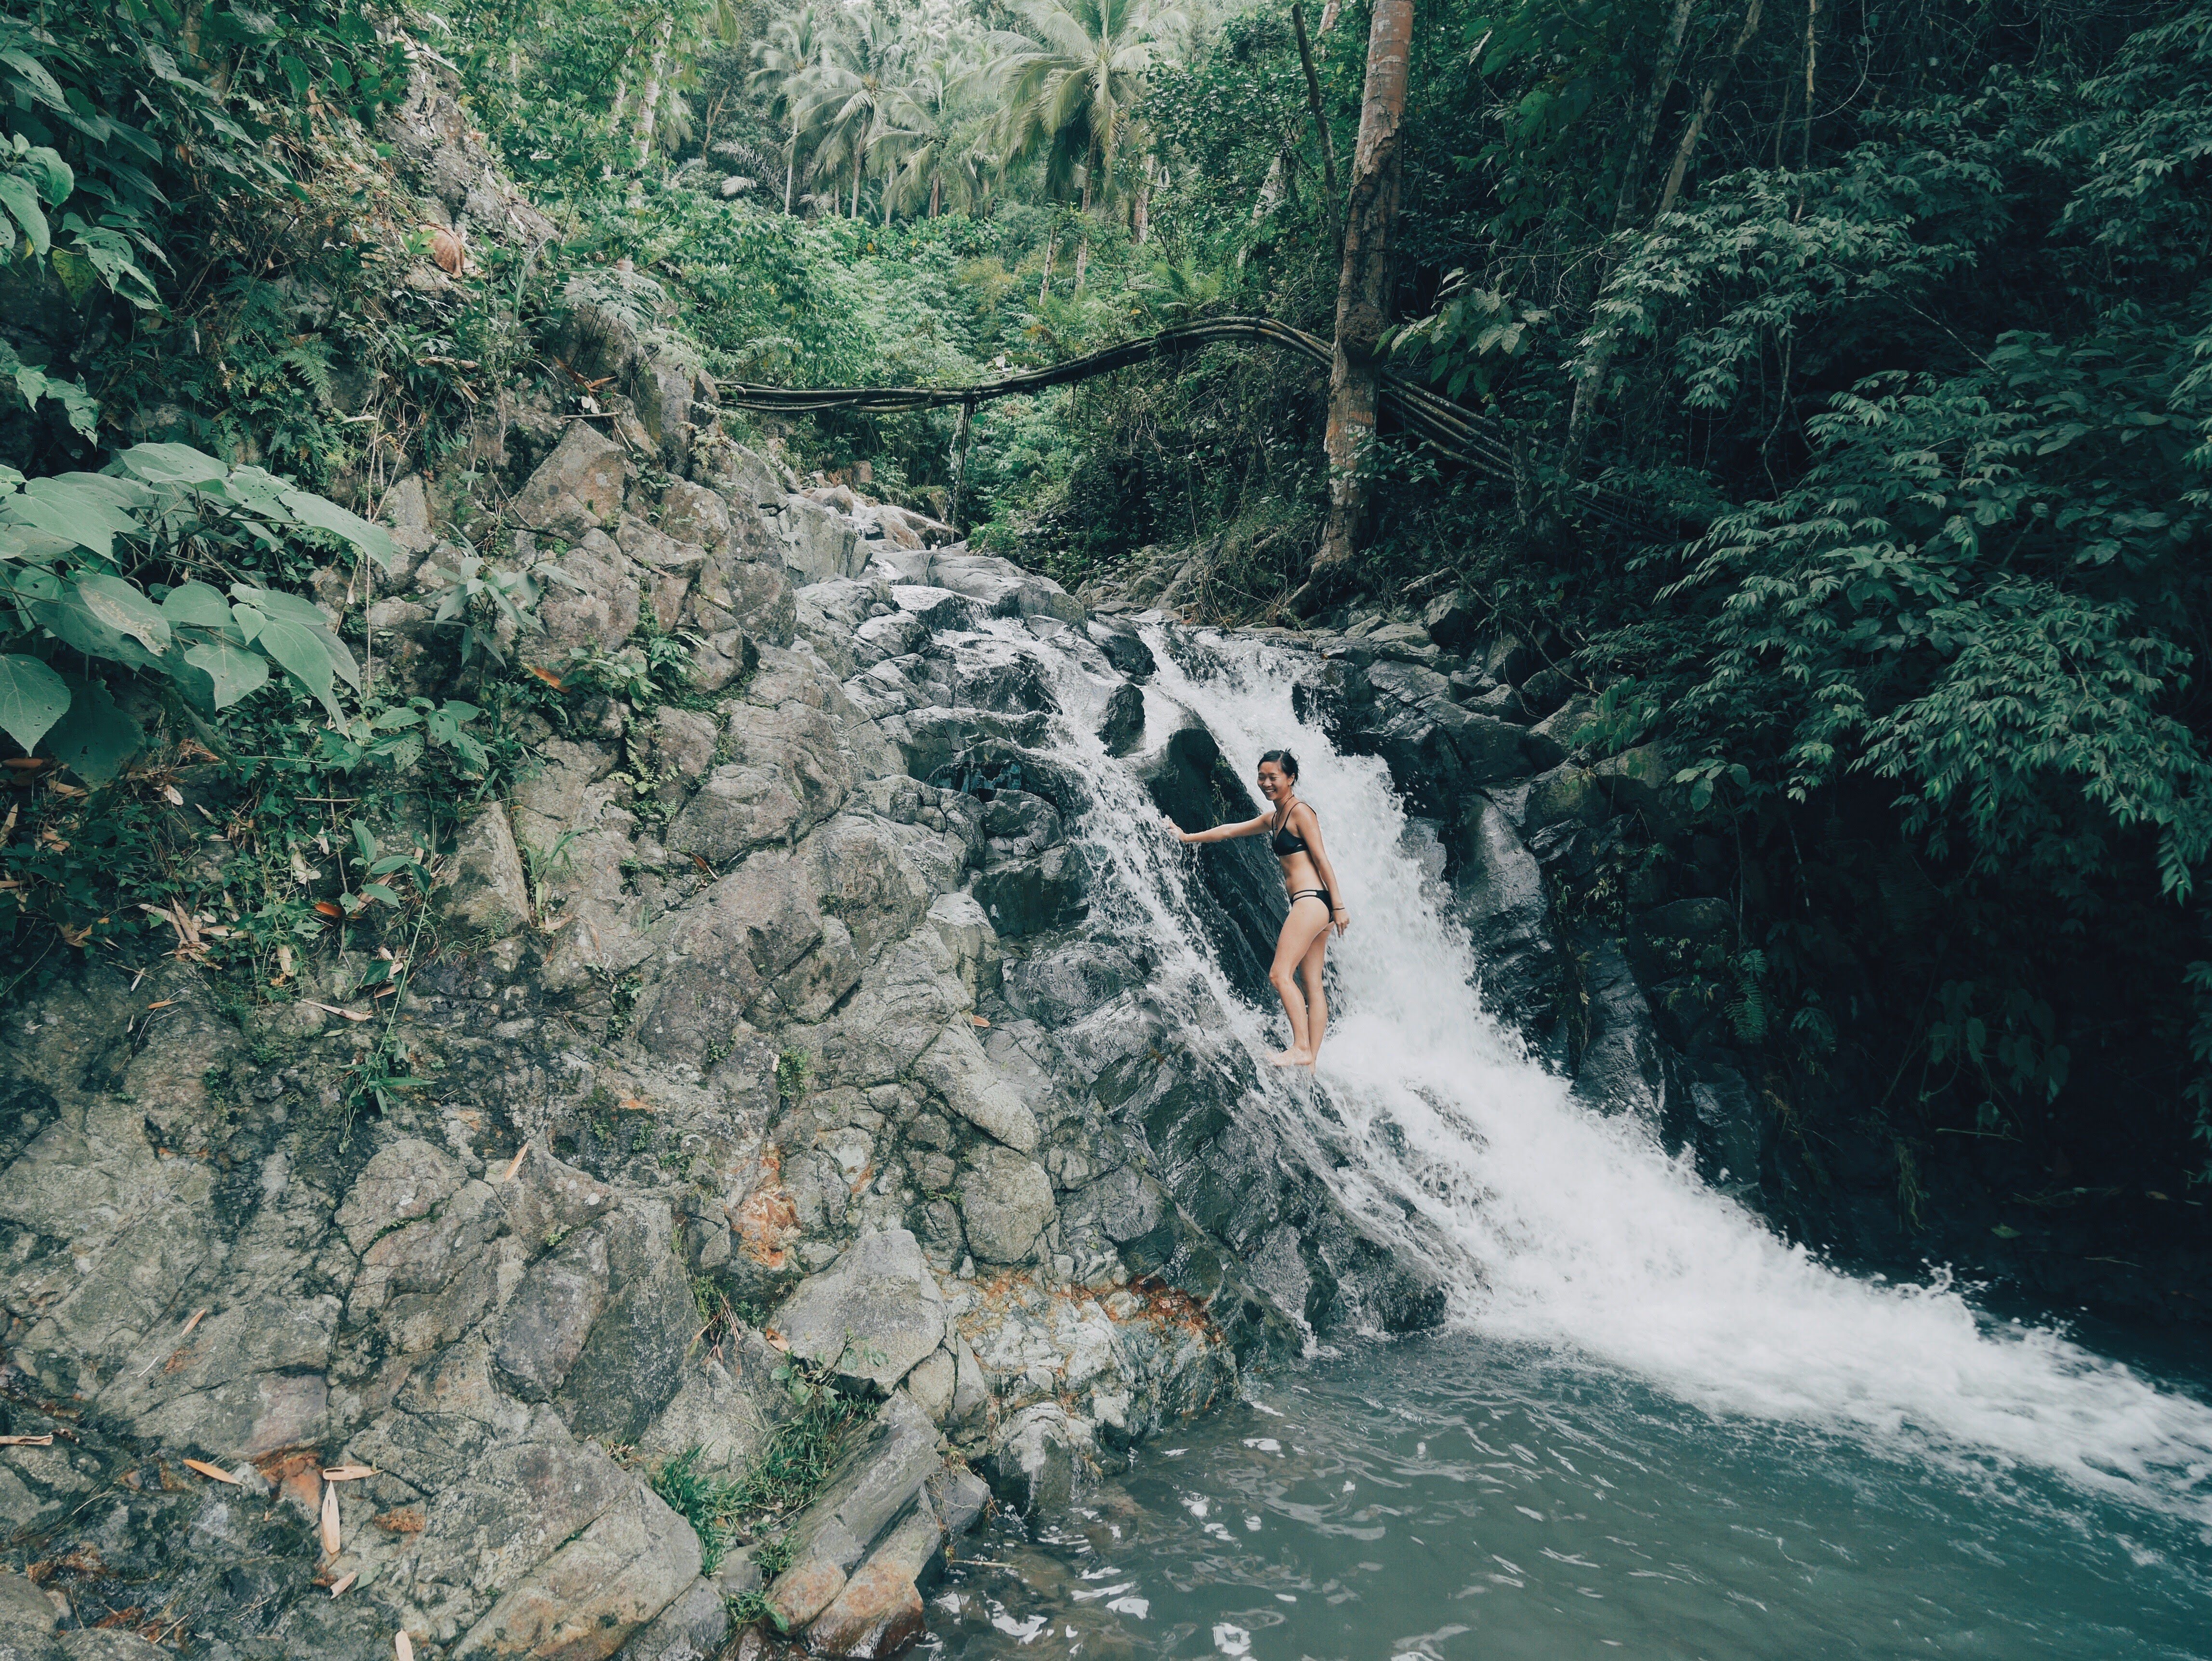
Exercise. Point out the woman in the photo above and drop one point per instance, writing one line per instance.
(1295, 834)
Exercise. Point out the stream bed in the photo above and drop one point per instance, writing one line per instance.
(1462, 1496)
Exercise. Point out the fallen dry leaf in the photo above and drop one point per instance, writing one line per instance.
(328, 910)
(176, 796)
(545, 675)
(402, 1647)
(776, 1339)
(162, 1003)
(979, 1020)
(214, 1473)
(514, 1165)
(46, 1441)
(9, 827)
(343, 1581)
(332, 1009)
(446, 249)
(199, 1315)
(330, 1522)
(348, 1473)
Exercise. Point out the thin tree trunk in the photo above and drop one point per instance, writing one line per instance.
(1706, 101)
(790, 167)
(1044, 284)
(1363, 288)
(1812, 53)
(1655, 103)
(857, 158)
(936, 193)
(1321, 123)
(1271, 190)
(1142, 216)
(648, 99)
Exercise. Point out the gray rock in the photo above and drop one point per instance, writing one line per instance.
(956, 1068)
(1032, 896)
(1635, 781)
(873, 1315)
(628, 1565)
(1123, 647)
(23, 1606)
(1123, 728)
(691, 1628)
(484, 886)
(403, 1181)
(935, 609)
(1453, 621)
(1040, 1457)
(632, 1364)
(958, 1497)
(1003, 589)
(596, 607)
(1563, 726)
(576, 489)
(818, 542)
(1005, 1201)
(551, 1314)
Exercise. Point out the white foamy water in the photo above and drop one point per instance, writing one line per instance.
(1578, 1232)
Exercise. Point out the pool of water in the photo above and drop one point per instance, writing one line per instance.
(1463, 1496)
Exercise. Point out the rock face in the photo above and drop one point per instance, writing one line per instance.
(791, 1029)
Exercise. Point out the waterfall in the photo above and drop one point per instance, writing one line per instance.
(1570, 1233)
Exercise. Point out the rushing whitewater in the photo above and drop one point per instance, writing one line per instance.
(1576, 1232)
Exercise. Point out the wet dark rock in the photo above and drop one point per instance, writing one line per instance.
(1033, 896)
(1620, 1065)
(1499, 894)
(1123, 728)
(1123, 649)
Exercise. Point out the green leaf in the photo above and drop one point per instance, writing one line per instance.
(33, 697)
(69, 514)
(197, 604)
(20, 199)
(41, 84)
(122, 607)
(95, 737)
(236, 671)
(172, 464)
(304, 656)
(364, 839)
(324, 515)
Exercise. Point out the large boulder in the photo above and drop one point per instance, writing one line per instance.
(576, 489)
(872, 1314)
(1006, 1201)
(1497, 892)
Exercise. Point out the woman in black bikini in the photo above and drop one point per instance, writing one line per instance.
(1295, 834)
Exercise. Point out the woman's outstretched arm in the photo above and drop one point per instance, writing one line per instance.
(1310, 831)
(1219, 832)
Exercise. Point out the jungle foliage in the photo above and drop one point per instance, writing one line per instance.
(1897, 317)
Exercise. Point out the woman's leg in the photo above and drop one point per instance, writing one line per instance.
(1310, 967)
(1308, 920)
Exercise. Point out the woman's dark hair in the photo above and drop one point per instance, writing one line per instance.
(1282, 758)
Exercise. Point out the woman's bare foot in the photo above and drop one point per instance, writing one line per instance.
(1290, 1058)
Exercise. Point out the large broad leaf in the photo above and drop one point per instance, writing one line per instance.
(197, 602)
(33, 697)
(21, 198)
(309, 615)
(96, 737)
(310, 509)
(37, 79)
(67, 514)
(303, 655)
(72, 620)
(172, 464)
(124, 608)
(233, 672)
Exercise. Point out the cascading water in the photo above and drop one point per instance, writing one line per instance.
(1585, 1255)
(1591, 1238)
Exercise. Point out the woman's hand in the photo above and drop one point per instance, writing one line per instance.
(1174, 830)
(1342, 920)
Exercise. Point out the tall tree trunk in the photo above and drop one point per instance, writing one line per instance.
(1141, 217)
(1647, 121)
(936, 193)
(1706, 101)
(1321, 122)
(1590, 385)
(1044, 284)
(857, 158)
(1363, 286)
(1812, 53)
(648, 97)
(1083, 241)
(790, 167)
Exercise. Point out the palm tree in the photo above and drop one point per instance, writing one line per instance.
(852, 90)
(1072, 83)
(795, 49)
(929, 142)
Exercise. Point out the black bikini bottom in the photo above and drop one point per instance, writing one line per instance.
(1321, 894)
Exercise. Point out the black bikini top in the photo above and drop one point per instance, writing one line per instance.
(1286, 841)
